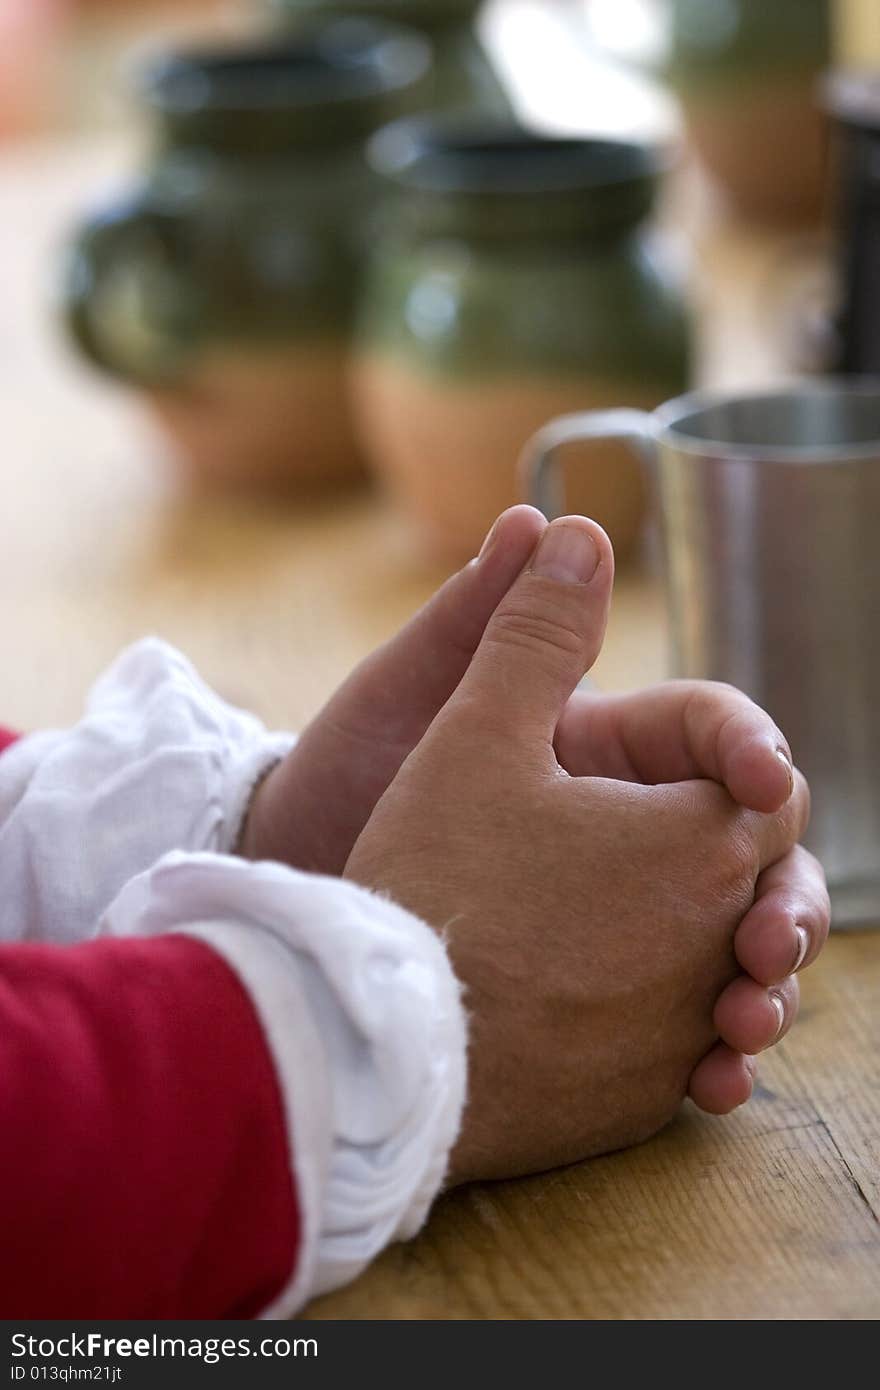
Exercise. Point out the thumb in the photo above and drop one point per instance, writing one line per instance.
(393, 696)
(310, 810)
(545, 634)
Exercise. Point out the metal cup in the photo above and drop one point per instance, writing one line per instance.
(770, 509)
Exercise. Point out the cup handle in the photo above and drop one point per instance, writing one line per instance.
(126, 301)
(540, 470)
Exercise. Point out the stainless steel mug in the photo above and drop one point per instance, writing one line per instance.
(770, 509)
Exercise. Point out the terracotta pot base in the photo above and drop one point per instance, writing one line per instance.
(767, 147)
(448, 451)
(275, 421)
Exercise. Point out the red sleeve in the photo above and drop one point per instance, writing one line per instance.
(144, 1167)
(7, 737)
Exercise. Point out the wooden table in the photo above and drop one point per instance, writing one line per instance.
(772, 1213)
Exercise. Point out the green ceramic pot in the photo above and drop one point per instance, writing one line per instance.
(462, 77)
(747, 74)
(223, 283)
(513, 283)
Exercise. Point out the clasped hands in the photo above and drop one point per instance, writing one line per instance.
(618, 878)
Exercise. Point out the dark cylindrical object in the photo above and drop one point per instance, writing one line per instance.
(513, 280)
(462, 78)
(224, 281)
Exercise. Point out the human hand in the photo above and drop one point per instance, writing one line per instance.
(312, 807)
(591, 921)
(691, 729)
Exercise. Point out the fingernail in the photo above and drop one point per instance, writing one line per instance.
(751, 1073)
(780, 1013)
(802, 948)
(567, 553)
(782, 755)
(487, 543)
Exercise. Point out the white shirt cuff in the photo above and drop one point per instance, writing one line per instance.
(363, 1017)
(159, 762)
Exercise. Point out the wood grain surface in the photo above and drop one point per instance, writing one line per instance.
(772, 1213)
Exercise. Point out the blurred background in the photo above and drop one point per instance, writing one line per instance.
(287, 285)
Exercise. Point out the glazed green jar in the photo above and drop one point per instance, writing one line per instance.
(513, 284)
(223, 282)
(463, 75)
(747, 74)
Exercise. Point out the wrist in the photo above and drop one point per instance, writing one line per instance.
(255, 840)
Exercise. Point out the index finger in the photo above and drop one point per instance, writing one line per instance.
(675, 732)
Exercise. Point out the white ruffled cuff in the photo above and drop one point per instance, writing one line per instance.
(154, 698)
(363, 1016)
(158, 763)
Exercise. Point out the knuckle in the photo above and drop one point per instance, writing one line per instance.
(709, 696)
(814, 906)
(814, 913)
(473, 725)
(810, 865)
(794, 817)
(744, 851)
(727, 837)
(540, 626)
(723, 692)
(710, 805)
(698, 689)
(729, 691)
